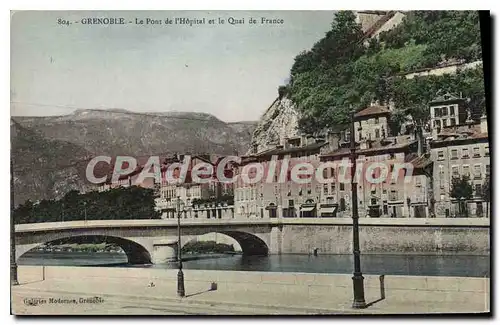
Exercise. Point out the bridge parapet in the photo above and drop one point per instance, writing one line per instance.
(417, 222)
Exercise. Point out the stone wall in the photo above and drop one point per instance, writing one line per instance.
(380, 239)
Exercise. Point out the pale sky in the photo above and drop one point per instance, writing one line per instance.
(230, 71)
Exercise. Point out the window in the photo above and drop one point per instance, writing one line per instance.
(441, 176)
(437, 112)
(445, 122)
(437, 123)
(452, 122)
(441, 155)
(377, 133)
(325, 173)
(342, 204)
(487, 170)
(342, 187)
(325, 189)
(476, 152)
(332, 187)
(376, 120)
(393, 196)
(479, 209)
(291, 204)
(477, 188)
(465, 170)
(452, 110)
(477, 171)
(454, 171)
(487, 151)
(465, 153)
(454, 154)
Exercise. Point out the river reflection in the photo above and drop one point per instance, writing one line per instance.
(429, 265)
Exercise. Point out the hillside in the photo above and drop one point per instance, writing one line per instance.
(50, 153)
(345, 68)
(126, 133)
(45, 168)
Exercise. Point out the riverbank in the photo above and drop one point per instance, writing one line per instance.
(263, 292)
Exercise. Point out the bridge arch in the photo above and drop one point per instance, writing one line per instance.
(250, 244)
(136, 252)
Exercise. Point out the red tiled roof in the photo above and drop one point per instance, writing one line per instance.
(480, 135)
(307, 148)
(379, 23)
(419, 161)
(376, 148)
(372, 110)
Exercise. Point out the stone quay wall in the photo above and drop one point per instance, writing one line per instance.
(392, 287)
(380, 236)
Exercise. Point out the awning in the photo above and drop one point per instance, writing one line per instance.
(307, 209)
(328, 210)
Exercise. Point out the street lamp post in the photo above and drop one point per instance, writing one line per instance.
(180, 275)
(357, 279)
(13, 264)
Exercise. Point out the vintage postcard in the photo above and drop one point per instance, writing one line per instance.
(250, 162)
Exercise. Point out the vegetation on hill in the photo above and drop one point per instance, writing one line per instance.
(340, 71)
(206, 247)
(116, 204)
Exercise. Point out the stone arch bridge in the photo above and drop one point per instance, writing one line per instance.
(155, 241)
(144, 241)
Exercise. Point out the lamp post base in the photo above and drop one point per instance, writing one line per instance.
(359, 292)
(13, 275)
(180, 284)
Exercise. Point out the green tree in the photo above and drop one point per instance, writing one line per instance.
(339, 71)
(120, 203)
(461, 190)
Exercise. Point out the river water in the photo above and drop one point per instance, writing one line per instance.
(425, 265)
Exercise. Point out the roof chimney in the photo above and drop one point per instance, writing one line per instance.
(333, 140)
(363, 144)
(484, 124)
(255, 148)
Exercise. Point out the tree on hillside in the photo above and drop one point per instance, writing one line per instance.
(461, 190)
(339, 71)
(120, 203)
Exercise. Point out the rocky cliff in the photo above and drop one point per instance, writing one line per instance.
(278, 122)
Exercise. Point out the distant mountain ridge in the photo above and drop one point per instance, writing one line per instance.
(50, 153)
(120, 132)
